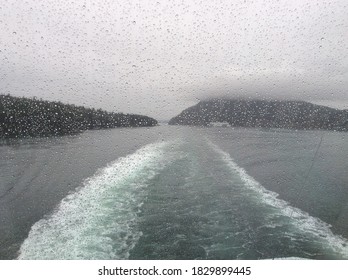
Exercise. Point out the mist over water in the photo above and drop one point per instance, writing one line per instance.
(142, 56)
(176, 193)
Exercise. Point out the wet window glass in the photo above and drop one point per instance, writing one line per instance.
(173, 129)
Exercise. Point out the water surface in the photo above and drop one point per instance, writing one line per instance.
(175, 193)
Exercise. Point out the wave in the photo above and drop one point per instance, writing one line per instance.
(311, 226)
(99, 220)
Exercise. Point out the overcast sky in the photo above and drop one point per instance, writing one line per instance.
(158, 57)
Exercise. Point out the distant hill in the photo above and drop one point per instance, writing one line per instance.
(29, 117)
(263, 113)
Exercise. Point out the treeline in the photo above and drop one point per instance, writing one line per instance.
(30, 117)
(264, 113)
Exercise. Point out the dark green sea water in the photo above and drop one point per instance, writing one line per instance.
(175, 193)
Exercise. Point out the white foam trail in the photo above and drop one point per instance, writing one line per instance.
(302, 220)
(98, 221)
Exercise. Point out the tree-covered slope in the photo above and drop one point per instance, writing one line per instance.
(27, 117)
(264, 113)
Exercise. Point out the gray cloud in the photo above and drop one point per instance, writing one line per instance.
(158, 57)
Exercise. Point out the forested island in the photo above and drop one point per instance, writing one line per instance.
(30, 117)
(264, 113)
